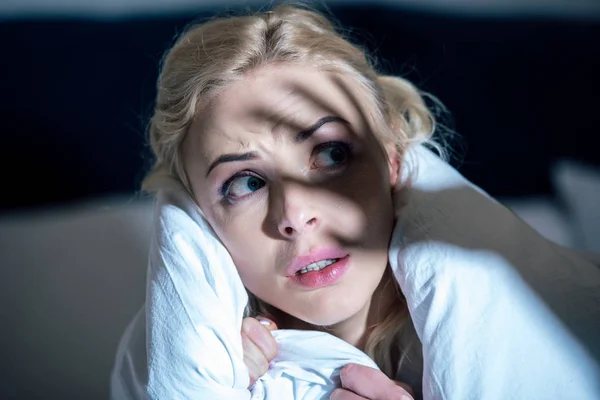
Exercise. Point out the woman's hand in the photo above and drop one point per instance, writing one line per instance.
(360, 383)
(259, 346)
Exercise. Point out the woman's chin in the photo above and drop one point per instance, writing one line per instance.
(327, 314)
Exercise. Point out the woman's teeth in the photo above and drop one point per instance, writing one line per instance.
(317, 266)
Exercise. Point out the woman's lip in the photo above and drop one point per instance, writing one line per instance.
(322, 278)
(323, 253)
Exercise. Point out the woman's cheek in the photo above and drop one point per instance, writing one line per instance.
(256, 281)
(249, 253)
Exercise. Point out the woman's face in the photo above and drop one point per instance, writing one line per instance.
(288, 173)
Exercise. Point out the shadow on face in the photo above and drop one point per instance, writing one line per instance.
(288, 171)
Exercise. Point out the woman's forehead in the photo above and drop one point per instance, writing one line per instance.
(278, 98)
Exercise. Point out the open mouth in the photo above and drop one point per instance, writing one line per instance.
(322, 273)
(317, 266)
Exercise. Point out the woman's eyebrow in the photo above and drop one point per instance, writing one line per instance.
(230, 158)
(305, 134)
(300, 137)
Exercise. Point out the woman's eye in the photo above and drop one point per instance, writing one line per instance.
(242, 185)
(331, 154)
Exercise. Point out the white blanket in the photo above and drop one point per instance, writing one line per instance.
(194, 309)
(501, 311)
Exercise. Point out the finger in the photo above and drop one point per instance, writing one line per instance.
(371, 383)
(261, 336)
(268, 323)
(254, 359)
(343, 394)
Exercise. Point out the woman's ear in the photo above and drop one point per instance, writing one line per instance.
(393, 164)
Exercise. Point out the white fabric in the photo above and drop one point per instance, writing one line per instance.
(194, 309)
(502, 313)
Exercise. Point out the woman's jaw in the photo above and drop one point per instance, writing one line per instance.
(352, 328)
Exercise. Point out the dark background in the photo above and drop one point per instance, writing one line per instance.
(77, 94)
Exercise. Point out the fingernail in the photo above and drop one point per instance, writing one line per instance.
(335, 394)
(265, 322)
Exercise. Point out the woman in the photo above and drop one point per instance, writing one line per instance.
(290, 142)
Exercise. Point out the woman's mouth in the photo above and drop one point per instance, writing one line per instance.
(321, 273)
(317, 266)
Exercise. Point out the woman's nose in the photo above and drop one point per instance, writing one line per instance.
(296, 215)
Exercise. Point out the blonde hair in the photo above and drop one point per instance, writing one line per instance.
(208, 56)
